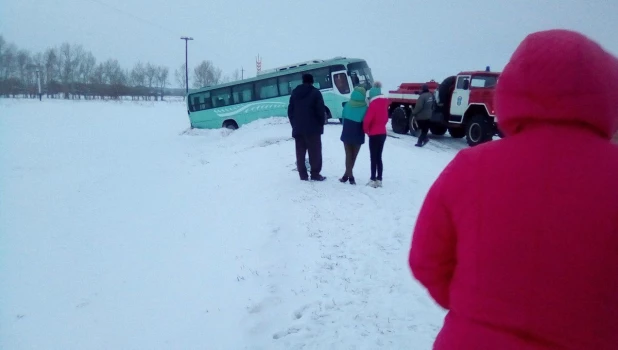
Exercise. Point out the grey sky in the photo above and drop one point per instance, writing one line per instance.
(402, 40)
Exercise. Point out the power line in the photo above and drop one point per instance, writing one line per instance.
(134, 16)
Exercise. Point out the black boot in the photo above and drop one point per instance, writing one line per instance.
(318, 178)
(343, 179)
(352, 181)
(422, 142)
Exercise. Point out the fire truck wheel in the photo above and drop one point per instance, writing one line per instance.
(399, 121)
(478, 130)
(457, 133)
(438, 130)
(412, 126)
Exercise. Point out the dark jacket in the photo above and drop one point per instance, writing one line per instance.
(422, 110)
(306, 111)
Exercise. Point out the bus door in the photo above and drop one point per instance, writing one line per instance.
(341, 82)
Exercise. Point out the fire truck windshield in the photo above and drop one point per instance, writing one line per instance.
(483, 81)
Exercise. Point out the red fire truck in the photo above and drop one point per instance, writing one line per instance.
(463, 106)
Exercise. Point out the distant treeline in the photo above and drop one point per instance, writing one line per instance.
(71, 72)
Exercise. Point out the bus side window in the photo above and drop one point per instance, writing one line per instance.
(207, 104)
(242, 93)
(321, 77)
(266, 88)
(221, 97)
(288, 83)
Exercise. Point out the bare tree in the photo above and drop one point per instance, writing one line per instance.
(113, 73)
(206, 74)
(98, 76)
(180, 74)
(9, 62)
(70, 57)
(2, 48)
(71, 72)
(236, 75)
(138, 75)
(151, 74)
(162, 74)
(23, 63)
(86, 67)
(50, 58)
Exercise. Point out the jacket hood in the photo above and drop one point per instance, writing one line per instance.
(358, 94)
(303, 90)
(558, 77)
(358, 97)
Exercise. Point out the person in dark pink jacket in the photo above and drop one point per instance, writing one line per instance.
(374, 126)
(518, 238)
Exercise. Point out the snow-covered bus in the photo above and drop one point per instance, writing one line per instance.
(267, 94)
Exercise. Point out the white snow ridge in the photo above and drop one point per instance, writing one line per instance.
(120, 229)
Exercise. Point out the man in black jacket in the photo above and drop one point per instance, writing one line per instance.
(306, 112)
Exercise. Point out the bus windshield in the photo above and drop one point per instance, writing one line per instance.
(360, 74)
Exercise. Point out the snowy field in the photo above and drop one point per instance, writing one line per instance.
(119, 230)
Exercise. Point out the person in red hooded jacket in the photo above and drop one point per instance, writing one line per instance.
(518, 238)
(374, 125)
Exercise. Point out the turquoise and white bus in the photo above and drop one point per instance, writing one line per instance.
(267, 95)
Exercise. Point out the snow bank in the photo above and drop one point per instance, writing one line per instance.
(120, 228)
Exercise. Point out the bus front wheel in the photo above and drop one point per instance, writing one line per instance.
(230, 124)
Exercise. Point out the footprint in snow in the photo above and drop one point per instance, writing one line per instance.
(285, 333)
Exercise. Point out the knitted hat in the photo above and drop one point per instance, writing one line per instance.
(558, 76)
(376, 90)
(307, 78)
(358, 99)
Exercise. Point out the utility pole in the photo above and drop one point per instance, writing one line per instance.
(242, 73)
(186, 39)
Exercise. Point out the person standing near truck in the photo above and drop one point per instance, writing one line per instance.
(422, 114)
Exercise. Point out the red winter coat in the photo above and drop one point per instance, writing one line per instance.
(376, 117)
(518, 238)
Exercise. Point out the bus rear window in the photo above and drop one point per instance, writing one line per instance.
(199, 101)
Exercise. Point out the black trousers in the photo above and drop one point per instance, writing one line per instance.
(424, 126)
(376, 146)
(313, 145)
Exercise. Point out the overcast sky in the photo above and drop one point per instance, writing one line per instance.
(402, 40)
